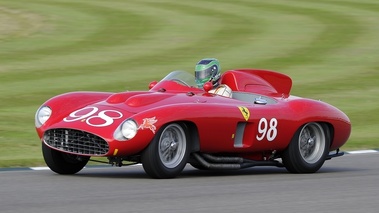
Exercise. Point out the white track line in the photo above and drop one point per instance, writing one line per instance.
(362, 151)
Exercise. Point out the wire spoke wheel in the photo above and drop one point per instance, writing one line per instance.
(172, 146)
(168, 153)
(311, 142)
(308, 149)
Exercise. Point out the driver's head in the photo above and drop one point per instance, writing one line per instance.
(207, 69)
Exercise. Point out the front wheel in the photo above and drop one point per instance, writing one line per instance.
(63, 163)
(307, 150)
(168, 153)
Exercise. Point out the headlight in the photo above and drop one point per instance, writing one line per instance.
(42, 115)
(126, 131)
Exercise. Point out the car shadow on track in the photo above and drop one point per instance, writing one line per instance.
(137, 172)
(188, 172)
(192, 172)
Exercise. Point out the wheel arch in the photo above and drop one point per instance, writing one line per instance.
(329, 131)
(192, 131)
(327, 127)
(193, 135)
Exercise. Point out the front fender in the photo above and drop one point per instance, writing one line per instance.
(64, 104)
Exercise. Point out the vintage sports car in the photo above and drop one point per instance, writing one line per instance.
(175, 123)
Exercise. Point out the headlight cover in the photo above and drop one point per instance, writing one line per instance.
(42, 115)
(126, 131)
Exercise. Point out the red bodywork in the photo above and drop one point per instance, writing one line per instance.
(239, 126)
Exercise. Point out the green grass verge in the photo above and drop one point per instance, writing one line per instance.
(47, 47)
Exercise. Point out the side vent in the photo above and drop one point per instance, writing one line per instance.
(238, 138)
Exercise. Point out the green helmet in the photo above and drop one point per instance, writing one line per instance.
(207, 69)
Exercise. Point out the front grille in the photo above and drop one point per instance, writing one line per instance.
(76, 141)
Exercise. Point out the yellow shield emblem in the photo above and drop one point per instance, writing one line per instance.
(245, 112)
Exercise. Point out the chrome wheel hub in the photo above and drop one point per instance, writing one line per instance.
(312, 142)
(172, 146)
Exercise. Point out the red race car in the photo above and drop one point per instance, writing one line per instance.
(175, 123)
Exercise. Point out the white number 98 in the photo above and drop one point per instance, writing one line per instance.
(267, 130)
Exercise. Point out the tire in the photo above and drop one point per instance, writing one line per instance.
(168, 153)
(307, 150)
(63, 163)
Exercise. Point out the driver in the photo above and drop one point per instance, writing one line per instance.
(208, 70)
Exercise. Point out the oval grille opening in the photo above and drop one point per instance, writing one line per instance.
(76, 141)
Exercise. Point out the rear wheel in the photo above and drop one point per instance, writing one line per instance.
(63, 163)
(167, 155)
(307, 150)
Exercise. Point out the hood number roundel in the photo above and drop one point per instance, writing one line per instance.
(94, 118)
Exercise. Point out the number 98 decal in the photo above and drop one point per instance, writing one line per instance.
(267, 129)
(94, 118)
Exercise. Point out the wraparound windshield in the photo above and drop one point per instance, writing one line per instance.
(181, 76)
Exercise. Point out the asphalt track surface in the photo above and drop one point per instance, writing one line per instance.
(346, 184)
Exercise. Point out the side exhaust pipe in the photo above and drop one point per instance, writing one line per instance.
(230, 163)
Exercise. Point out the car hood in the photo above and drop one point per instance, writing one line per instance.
(100, 119)
(111, 112)
(139, 102)
(116, 107)
(132, 99)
